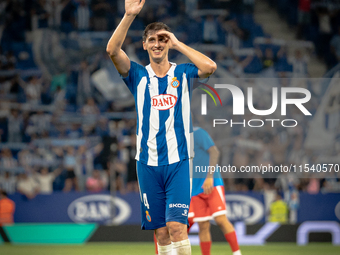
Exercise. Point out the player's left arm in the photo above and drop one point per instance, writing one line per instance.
(205, 65)
(208, 184)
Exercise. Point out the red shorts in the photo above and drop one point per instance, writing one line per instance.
(206, 207)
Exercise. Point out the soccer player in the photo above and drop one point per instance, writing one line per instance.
(208, 201)
(164, 133)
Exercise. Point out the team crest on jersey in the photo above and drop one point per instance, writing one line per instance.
(175, 83)
(163, 102)
(148, 217)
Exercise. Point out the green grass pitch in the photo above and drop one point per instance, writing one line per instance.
(148, 249)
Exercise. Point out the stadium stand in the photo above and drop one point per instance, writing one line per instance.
(63, 105)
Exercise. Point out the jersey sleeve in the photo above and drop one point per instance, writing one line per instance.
(133, 77)
(205, 141)
(191, 74)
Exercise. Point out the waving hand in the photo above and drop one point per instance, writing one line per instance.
(133, 7)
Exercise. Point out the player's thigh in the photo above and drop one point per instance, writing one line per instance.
(152, 197)
(200, 208)
(177, 188)
(216, 202)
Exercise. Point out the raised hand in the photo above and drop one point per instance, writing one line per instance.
(171, 39)
(133, 7)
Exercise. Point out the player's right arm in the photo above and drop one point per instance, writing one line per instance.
(114, 46)
(208, 184)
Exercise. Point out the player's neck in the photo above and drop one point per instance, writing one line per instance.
(161, 68)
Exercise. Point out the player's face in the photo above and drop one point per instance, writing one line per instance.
(157, 46)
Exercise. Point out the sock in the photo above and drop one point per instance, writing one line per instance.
(165, 250)
(232, 240)
(155, 241)
(182, 247)
(237, 252)
(205, 247)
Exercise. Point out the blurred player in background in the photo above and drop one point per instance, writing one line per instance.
(208, 200)
(7, 208)
(164, 132)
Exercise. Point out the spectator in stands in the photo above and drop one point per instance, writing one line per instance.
(84, 86)
(235, 35)
(45, 180)
(25, 157)
(33, 90)
(15, 127)
(118, 167)
(238, 65)
(57, 129)
(131, 47)
(293, 205)
(299, 62)
(84, 166)
(11, 60)
(313, 186)
(7, 208)
(5, 87)
(95, 183)
(2, 54)
(8, 182)
(7, 159)
(14, 23)
(90, 107)
(268, 59)
(54, 8)
(16, 83)
(278, 147)
(330, 184)
(132, 184)
(210, 30)
(59, 100)
(3, 7)
(191, 6)
(59, 156)
(67, 15)
(39, 15)
(39, 123)
(75, 132)
(70, 165)
(248, 6)
(287, 184)
(83, 15)
(278, 210)
(85, 162)
(100, 10)
(304, 17)
(325, 30)
(102, 128)
(28, 186)
(335, 47)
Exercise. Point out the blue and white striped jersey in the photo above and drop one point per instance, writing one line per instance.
(164, 128)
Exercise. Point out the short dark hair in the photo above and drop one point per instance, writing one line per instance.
(156, 26)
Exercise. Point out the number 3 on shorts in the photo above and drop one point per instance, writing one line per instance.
(145, 199)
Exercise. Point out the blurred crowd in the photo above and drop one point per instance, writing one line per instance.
(317, 21)
(60, 131)
(72, 160)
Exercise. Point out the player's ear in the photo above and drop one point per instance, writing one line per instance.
(144, 45)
